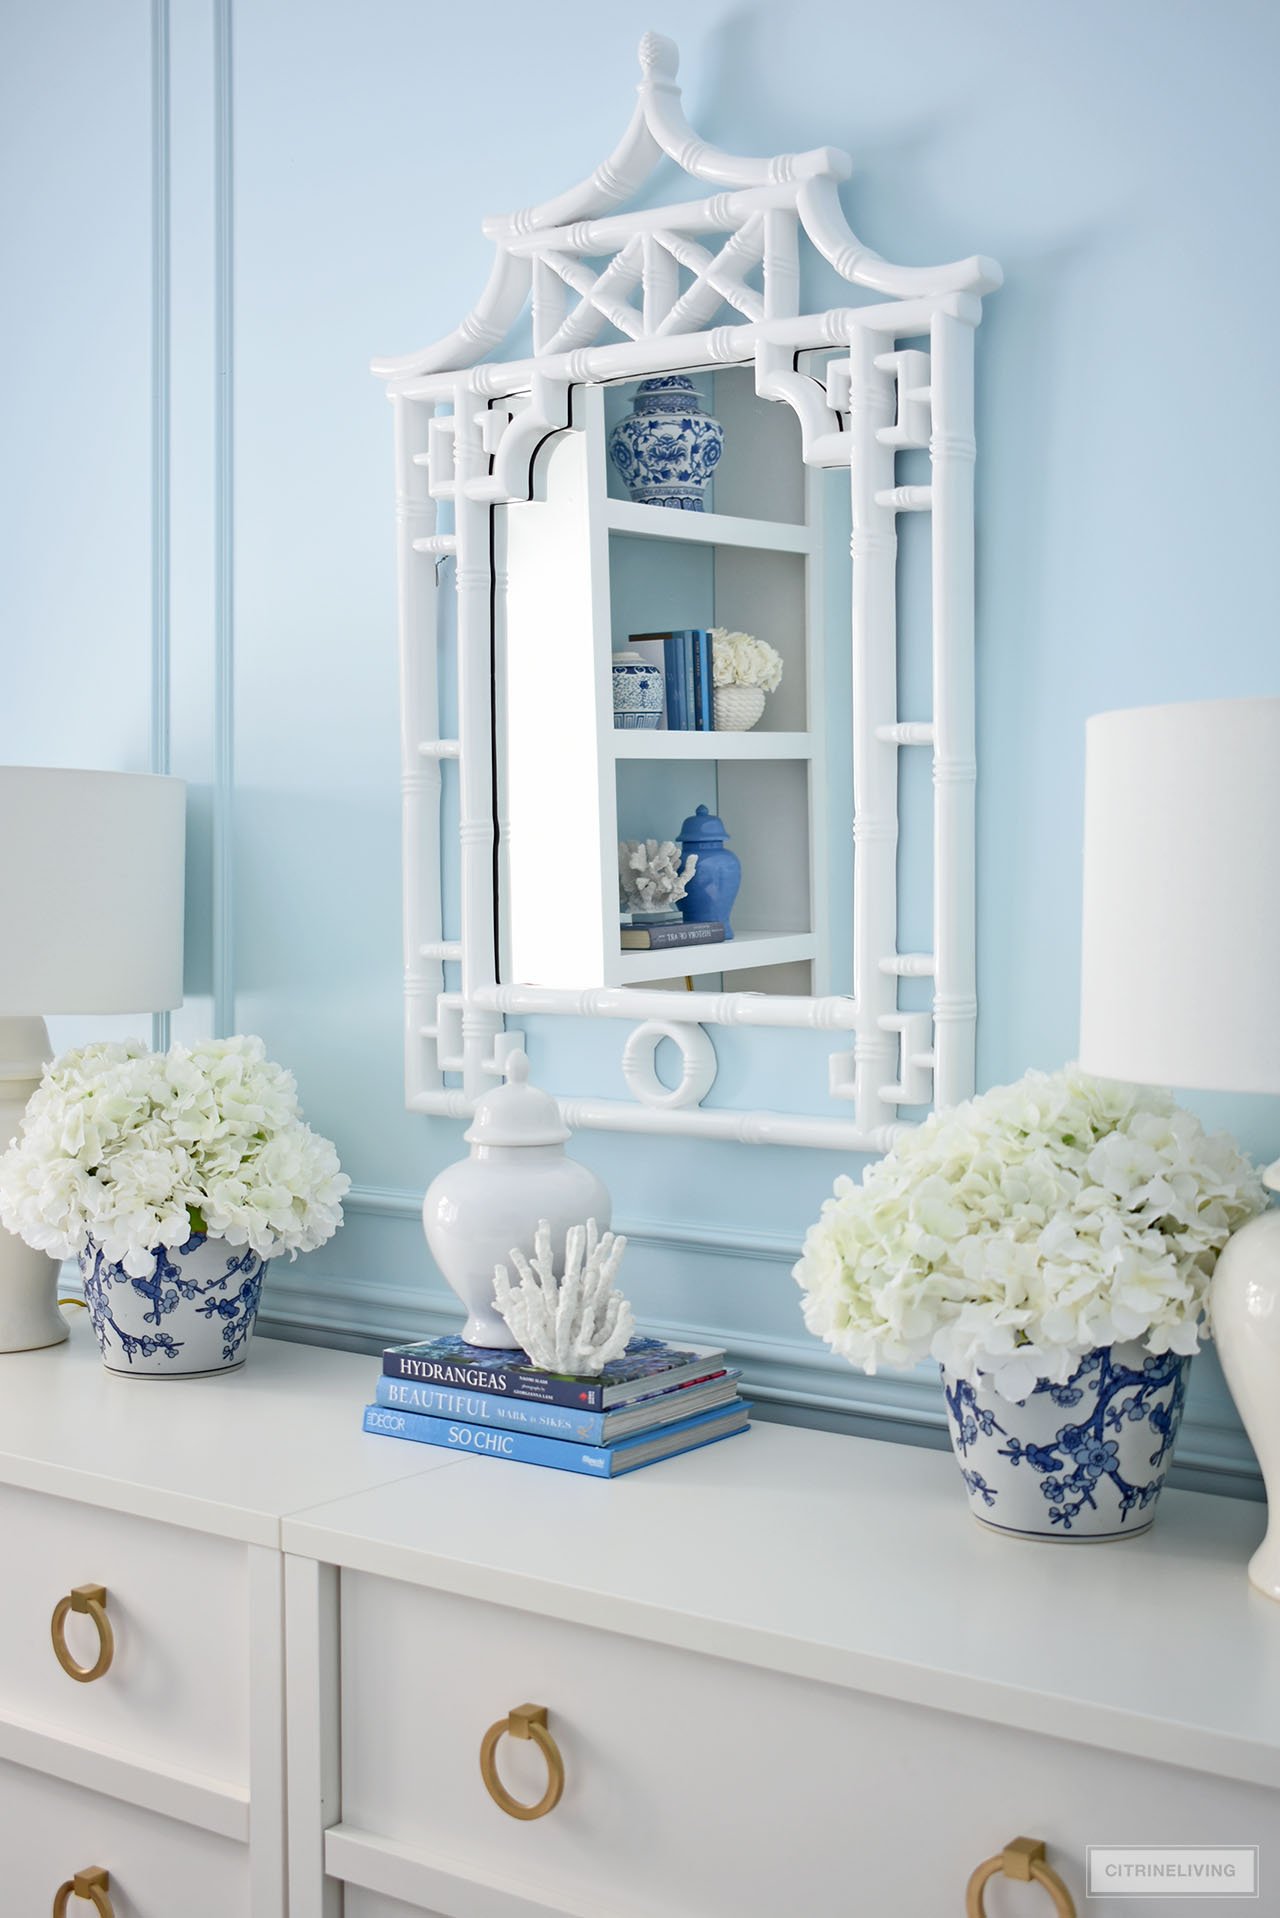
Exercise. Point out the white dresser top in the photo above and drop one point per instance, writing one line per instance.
(844, 1560)
(856, 1562)
(229, 1454)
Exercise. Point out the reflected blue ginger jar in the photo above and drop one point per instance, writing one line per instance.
(668, 446)
(715, 882)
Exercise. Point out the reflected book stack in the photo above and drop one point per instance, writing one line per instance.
(654, 1402)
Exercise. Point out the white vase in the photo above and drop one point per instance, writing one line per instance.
(192, 1313)
(1245, 1306)
(737, 709)
(517, 1173)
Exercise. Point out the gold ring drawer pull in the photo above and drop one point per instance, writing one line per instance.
(1024, 1860)
(526, 1721)
(91, 1599)
(93, 1885)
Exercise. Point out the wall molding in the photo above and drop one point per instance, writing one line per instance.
(798, 1379)
(768, 1247)
(223, 956)
(161, 418)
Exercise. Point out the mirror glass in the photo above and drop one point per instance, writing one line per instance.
(609, 726)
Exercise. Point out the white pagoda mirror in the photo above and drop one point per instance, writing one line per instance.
(845, 486)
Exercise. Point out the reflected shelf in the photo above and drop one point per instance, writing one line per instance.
(707, 529)
(744, 950)
(632, 743)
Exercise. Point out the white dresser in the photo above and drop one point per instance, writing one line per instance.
(787, 1675)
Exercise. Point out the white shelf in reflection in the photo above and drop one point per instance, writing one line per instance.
(632, 743)
(707, 529)
(745, 949)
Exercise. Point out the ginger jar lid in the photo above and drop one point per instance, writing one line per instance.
(702, 826)
(516, 1113)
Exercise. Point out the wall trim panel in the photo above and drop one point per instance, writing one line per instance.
(795, 1379)
(161, 418)
(224, 993)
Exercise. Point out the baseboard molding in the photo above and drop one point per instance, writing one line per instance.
(793, 1380)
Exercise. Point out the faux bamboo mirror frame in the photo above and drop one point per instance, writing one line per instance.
(502, 496)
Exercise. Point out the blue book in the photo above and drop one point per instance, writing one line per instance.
(690, 697)
(558, 1421)
(673, 673)
(702, 681)
(647, 1366)
(562, 1455)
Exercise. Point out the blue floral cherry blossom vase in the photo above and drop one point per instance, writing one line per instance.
(192, 1313)
(668, 446)
(1082, 1460)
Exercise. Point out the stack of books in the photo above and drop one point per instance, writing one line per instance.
(688, 686)
(652, 931)
(654, 1402)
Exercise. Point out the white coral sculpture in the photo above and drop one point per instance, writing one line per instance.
(651, 875)
(574, 1324)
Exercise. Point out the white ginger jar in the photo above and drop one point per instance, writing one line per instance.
(516, 1174)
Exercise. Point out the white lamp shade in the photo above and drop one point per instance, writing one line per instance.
(1180, 982)
(91, 891)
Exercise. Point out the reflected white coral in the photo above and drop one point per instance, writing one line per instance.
(575, 1324)
(650, 873)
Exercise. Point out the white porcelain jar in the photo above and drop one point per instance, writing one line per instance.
(517, 1173)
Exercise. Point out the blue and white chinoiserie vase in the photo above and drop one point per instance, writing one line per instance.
(1083, 1460)
(193, 1313)
(668, 446)
(637, 693)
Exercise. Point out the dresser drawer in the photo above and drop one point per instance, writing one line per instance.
(699, 1788)
(176, 1692)
(157, 1869)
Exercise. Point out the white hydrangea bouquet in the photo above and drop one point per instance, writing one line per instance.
(743, 669)
(1051, 1244)
(173, 1177)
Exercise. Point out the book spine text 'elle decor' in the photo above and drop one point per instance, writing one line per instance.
(482, 1408)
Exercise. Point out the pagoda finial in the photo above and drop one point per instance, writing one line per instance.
(659, 59)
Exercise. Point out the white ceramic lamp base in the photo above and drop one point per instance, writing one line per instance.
(1246, 1330)
(29, 1315)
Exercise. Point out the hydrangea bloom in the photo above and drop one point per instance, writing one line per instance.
(740, 659)
(1014, 1233)
(135, 1149)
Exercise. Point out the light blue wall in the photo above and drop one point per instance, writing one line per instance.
(1119, 160)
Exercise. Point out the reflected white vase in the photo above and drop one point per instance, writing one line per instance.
(736, 709)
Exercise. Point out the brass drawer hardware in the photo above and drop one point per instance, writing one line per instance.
(526, 1721)
(91, 1599)
(1023, 1859)
(93, 1885)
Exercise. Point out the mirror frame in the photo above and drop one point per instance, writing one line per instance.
(468, 431)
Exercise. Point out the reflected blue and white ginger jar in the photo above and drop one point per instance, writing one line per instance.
(637, 693)
(668, 446)
(193, 1312)
(1082, 1460)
